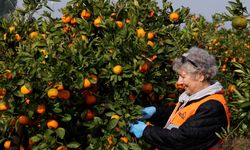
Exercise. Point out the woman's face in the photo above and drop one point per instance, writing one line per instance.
(190, 83)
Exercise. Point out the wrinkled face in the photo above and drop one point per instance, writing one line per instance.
(190, 83)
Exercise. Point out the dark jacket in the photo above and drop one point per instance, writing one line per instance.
(197, 133)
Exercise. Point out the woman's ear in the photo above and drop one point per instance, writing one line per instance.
(200, 77)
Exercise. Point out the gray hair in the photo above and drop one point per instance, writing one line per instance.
(197, 60)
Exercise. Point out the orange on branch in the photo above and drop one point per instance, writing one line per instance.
(117, 69)
(17, 37)
(7, 144)
(3, 92)
(89, 115)
(147, 87)
(41, 108)
(144, 67)
(7, 74)
(23, 120)
(98, 21)
(66, 19)
(150, 35)
(239, 22)
(115, 116)
(33, 34)
(52, 93)
(150, 43)
(64, 94)
(119, 24)
(86, 83)
(174, 16)
(140, 33)
(124, 139)
(90, 100)
(26, 89)
(85, 14)
(62, 148)
(52, 124)
(4, 106)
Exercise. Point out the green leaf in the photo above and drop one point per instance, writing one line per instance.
(112, 124)
(36, 138)
(60, 132)
(73, 145)
(66, 118)
(48, 132)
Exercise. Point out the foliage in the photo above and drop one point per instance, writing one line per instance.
(75, 55)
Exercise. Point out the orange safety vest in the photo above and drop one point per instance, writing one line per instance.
(178, 117)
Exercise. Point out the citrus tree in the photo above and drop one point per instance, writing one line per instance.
(78, 81)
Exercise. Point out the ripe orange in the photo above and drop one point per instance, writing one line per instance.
(86, 83)
(2, 92)
(7, 144)
(59, 86)
(64, 94)
(52, 93)
(239, 22)
(132, 97)
(4, 106)
(231, 88)
(94, 78)
(66, 19)
(84, 38)
(66, 29)
(73, 21)
(23, 120)
(17, 37)
(117, 69)
(26, 89)
(144, 67)
(115, 116)
(85, 14)
(7, 74)
(147, 88)
(90, 99)
(150, 43)
(52, 124)
(33, 34)
(128, 21)
(150, 35)
(140, 33)
(12, 29)
(151, 13)
(89, 115)
(124, 139)
(174, 16)
(62, 148)
(41, 108)
(98, 21)
(110, 141)
(119, 24)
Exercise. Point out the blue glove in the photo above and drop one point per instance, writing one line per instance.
(148, 112)
(138, 128)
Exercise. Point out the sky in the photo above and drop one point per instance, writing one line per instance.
(205, 8)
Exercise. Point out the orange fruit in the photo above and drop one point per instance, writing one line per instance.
(23, 120)
(117, 69)
(4, 106)
(147, 87)
(73, 21)
(94, 78)
(98, 21)
(151, 13)
(128, 21)
(41, 108)
(7, 144)
(85, 14)
(144, 67)
(2, 92)
(86, 83)
(59, 86)
(90, 99)
(33, 34)
(150, 43)
(131, 97)
(7, 74)
(174, 16)
(17, 37)
(52, 93)
(62, 148)
(119, 24)
(64, 94)
(84, 38)
(231, 88)
(239, 22)
(110, 140)
(12, 29)
(26, 89)
(115, 116)
(66, 19)
(140, 33)
(89, 115)
(124, 139)
(66, 29)
(150, 35)
(52, 124)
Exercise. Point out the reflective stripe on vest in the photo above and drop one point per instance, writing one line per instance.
(178, 117)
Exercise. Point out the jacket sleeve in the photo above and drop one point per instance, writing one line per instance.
(198, 132)
(161, 116)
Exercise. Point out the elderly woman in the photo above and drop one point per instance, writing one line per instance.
(201, 110)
